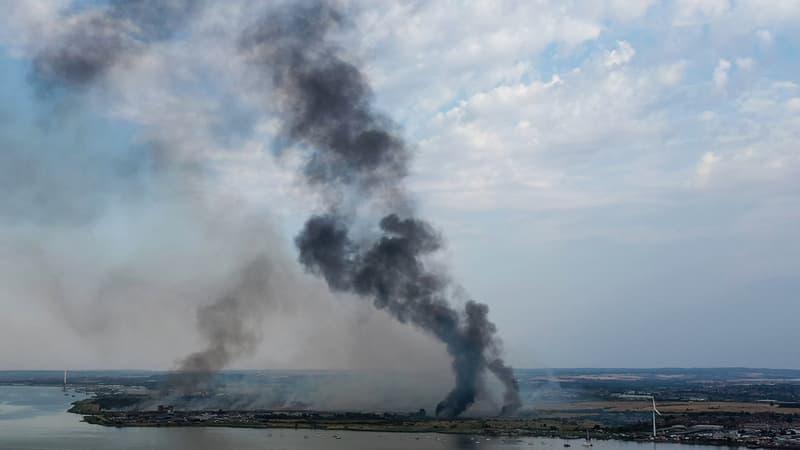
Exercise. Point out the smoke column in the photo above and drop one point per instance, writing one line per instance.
(226, 329)
(354, 156)
(355, 159)
(88, 43)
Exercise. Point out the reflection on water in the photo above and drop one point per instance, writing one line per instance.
(33, 417)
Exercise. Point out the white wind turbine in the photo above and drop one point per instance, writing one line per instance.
(655, 410)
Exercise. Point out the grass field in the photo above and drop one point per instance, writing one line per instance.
(666, 407)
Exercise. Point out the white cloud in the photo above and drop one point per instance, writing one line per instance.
(745, 63)
(27, 24)
(706, 165)
(443, 51)
(761, 11)
(793, 104)
(629, 10)
(765, 37)
(698, 11)
(623, 54)
(672, 74)
(720, 77)
(752, 142)
(522, 144)
(708, 115)
(729, 20)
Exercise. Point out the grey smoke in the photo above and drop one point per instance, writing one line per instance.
(229, 326)
(89, 43)
(97, 38)
(326, 107)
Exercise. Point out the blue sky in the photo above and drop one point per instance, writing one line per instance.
(618, 180)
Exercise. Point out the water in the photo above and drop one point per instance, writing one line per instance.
(34, 418)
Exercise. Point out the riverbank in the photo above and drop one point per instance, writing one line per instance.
(739, 433)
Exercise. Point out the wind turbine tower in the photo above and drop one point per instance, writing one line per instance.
(655, 410)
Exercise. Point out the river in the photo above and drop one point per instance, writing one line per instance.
(35, 418)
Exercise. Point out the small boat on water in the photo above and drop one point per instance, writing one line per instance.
(588, 442)
(336, 436)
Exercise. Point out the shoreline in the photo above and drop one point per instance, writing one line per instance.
(502, 428)
(696, 442)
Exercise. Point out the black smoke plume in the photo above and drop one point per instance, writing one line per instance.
(326, 107)
(355, 156)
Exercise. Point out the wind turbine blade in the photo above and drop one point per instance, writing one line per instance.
(654, 407)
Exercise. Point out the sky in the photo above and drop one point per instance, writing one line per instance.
(618, 180)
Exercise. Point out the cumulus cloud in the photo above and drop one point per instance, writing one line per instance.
(486, 45)
(626, 10)
(793, 104)
(706, 165)
(693, 11)
(752, 142)
(745, 63)
(672, 74)
(765, 37)
(720, 77)
(620, 55)
(522, 141)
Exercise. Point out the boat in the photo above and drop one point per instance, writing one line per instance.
(588, 442)
(336, 436)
